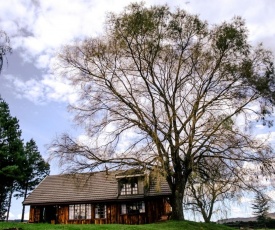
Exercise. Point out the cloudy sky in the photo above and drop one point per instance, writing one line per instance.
(38, 28)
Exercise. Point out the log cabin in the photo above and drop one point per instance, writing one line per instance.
(122, 197)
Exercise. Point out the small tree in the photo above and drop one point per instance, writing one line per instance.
(35, 170)
(261, 207)
(213, 184)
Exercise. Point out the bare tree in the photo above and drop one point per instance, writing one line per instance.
(211, 187)
(158, 90)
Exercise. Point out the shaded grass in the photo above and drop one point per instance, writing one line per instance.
(169, 225)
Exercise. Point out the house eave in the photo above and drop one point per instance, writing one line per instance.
(128, 176)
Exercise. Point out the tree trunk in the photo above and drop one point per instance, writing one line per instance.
(206, 216)
(23, 213)
(177, 207)
(23, 209)
(9, 203)
(177, 190)
(177, 184)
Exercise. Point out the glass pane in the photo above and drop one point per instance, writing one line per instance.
(135, 188)
(123, 189)
(77, 211)
(71, 212)
(88, 211)
(82, 211)
(135, 207)
(100, 211)
(123, 209)
(128, 189)
(105, 211)
(142, 208)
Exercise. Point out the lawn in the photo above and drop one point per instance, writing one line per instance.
(169, 225)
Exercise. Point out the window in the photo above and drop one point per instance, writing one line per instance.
(134, 207)
(100, 211)
(129, 187)
(123, 209)
(88, 211)
(79, 211)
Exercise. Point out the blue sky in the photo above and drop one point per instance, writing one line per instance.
(38, 28)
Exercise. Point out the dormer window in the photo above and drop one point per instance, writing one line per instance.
(129, 186)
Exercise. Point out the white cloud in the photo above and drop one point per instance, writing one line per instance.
(42, 91)
(51, 24)
(236, 210)
(271, 194)
(246, 199)
(260, 126)
(39, 28)
(243, 210)
(58, 90)
(43, 61)
(269, 136)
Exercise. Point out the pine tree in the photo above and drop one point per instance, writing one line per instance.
(11, 156)
(261, 207)
(36, 169)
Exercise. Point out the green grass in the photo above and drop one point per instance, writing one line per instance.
(169, 225)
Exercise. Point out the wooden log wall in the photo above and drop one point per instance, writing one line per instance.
(155, 208)
(35, 214)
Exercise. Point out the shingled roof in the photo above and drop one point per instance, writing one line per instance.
(85, 187)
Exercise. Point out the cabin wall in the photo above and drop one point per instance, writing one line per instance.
(63, 214)
(40, 214)
(35, 214)
(112, 214)
(133, 218)
(154, 209)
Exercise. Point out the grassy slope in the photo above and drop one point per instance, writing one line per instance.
(169, 225)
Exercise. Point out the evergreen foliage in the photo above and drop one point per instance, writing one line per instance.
(35, 170)
(11, 155)
(261, 207)
(21, 167)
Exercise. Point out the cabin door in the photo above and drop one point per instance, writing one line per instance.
(50, 214)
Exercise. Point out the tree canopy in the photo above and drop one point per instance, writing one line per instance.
(211, 189)
(11, 155)
(162, 90)
(35, 170)
(21, 167)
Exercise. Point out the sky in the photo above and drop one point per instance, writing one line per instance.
(37, 29)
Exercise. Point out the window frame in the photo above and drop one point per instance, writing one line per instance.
(100, 211)
(80, 211)
(136, 207)
(128, 186)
